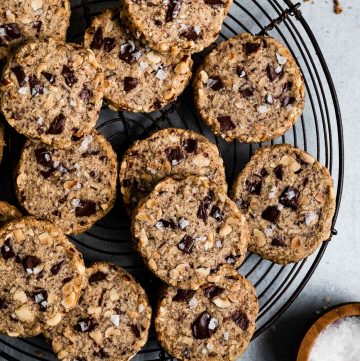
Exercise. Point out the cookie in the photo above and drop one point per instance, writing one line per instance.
(289, 201)
(8, 213)
(249, 88)
(29, 19)
(41, 275)
(2, 141)
(111, 321)
(186, 229)
(72, 187)
(216, 322)
(52, 91)
(168, 152)
(176, 25)
(138, 79)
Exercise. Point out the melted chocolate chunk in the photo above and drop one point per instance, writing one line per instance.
(254, 184)
(216, 213)
(190, 34)
(85, 325)
(97, 277)
(264, 173)
(226, 123)
(241, 320)
(173, 10)
(271, 214)
(69, 76)
(250, 48)
(246, 91)
(30, 262)
(130, 83)
(277, 242)
(279, 172)
(271, 73)
(174, 155)
(43, 157)
(200, 327)
(12, 31)
(183, 295)
(37, 25)
(202, 211)
(40, 297)
(36, 87)
(213, 291)
(49, 77)
(290, 198)
(109, 44)
(7, 250)
(166, 223)
(57, 125)
(216, 4)
(215, 83)
(20, 74)
(128, 53)
(85, 208)
(85, 93)
(287, 100)
(287, 86)
(135, 330)
(190, 145)
(97, 40)
(186, 244)
(55, 269)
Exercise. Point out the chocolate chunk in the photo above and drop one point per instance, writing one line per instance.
(279, 172)
(213, 291)
(69, 76)
(135, 330)
(166, 223)
(57, 125)
(85, 93)
(43, 157)
(264, 173)
(85, 208)
(174, 155)
(183, 295)
(40, 297)
(271, 73)
(278, 242)
(157, 104)
(30, 262)
(97, 40)
(290, 198)
(242, 203)
(215, 83)
(246, 91)
(55, 269)
(20, 74)
(241, 320)
(287, 86)
(190, 34)
(186, 353)
(2, 304)
(129, 53)
(202, 211)
(130, 83)
(7, 250)
(85, 325)
(271, 214)
(216, 213)
(48, 173)
(36, 87)
(216, 4)
(173, 10)
(186, 244)
(102, 354)
(254, 184)
(250, 48)
(200, 327)
(287, 100)
(97, 277)
(190, 145)
(226, 123)
(12, 31)
(230, 259)
(157, 22)
(240, 71)
(49, 77)
(109, 44)
(37, 25)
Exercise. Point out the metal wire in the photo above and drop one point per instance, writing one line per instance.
(318, 131)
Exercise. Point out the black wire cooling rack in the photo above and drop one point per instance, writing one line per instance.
(319, 131)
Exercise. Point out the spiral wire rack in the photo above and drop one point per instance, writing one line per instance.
(318, 131)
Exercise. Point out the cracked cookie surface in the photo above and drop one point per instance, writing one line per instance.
(289, 201)
(111, 321)
(8, 213)
(41, 275)
(137, 78)
(73, 187)
(52, 91)
(168, 152)
(250, 89)
(176, 25)
(28, 19)
(186, 229)
(216, 322)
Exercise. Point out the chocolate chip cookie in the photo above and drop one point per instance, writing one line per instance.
(72, 187)
(138, 79)
(41, 275)
(168, 152)
(186, 229)
(2, 141)
(52, 91)
(29, 19)
(216, 322)
(111, 321)
(250, 89)
(8, 213)
(176, 25)
(289, 201)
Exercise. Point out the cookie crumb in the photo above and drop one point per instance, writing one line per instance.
(337, 7)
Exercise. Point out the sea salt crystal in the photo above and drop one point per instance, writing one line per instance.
(183, 223)
(115, 319)
(213, 324)
(85, 143)
(281, 59)
(161, 74)
(310, 217)
(193, 303)
(262, 109)
(338, 342)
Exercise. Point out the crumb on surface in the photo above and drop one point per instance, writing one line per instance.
(337, 7)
